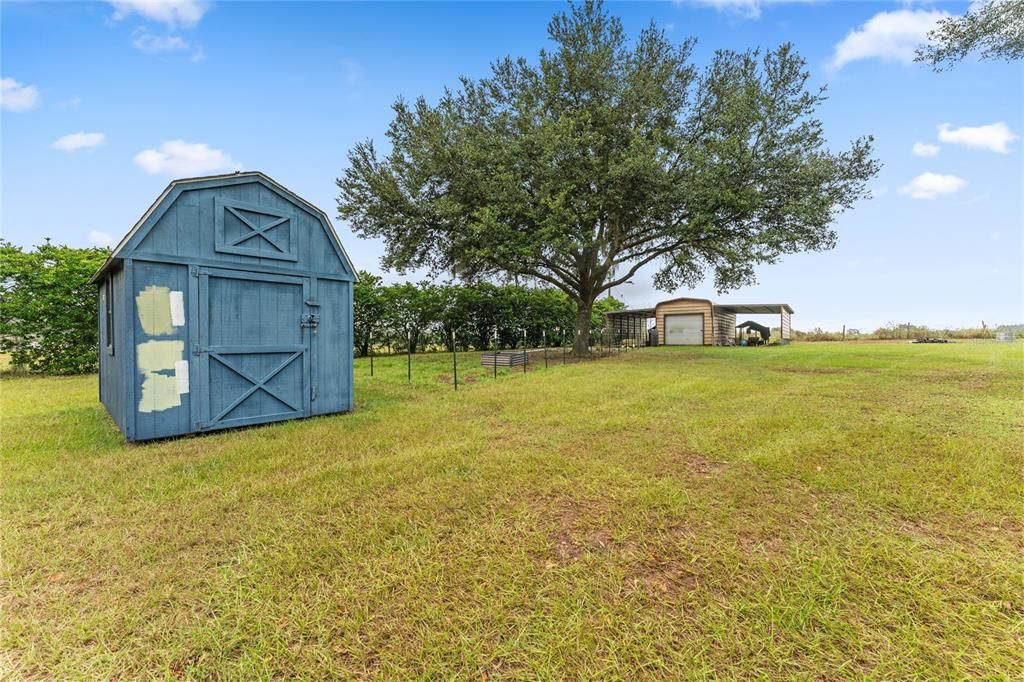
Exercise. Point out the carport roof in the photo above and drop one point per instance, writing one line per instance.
(745, 308)
(634, 312)
(754, 308)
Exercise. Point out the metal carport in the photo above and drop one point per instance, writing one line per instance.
(781, 309)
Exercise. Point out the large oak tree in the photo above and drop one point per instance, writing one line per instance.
(993, 29)
(603, 156)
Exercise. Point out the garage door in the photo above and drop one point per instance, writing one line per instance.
(684, 330)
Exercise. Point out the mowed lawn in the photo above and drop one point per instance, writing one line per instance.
(826, 511)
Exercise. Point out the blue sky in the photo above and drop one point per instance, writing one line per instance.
(103, 103)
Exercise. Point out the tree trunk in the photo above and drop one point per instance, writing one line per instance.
(581, 344)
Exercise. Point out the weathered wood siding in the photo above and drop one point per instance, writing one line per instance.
(333, 347)
(172, 344)
(684, 306)
(235, 308)
(113, 360)
(725, 328)
(193, 230)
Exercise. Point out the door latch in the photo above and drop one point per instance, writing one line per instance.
(310, 320)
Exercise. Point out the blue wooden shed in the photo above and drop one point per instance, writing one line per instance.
(228, 304)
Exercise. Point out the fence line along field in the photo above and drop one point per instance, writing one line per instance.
(832, 510)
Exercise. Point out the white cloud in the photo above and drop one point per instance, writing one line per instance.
(76, 141)
(994, 137)
(748, 9)
(15, 96)
(72, 103)
(177, 157)
(150, 43)
(925, 149)
(745, 9)
(172, 13)
(98, 238)
(932, 185)
(891, 36)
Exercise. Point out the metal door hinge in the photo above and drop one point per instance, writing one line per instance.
(193, 270)
(312, 392)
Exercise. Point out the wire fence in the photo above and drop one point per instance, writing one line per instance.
(442, 361)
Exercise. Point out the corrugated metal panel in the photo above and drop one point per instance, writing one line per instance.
(725, 328)
(682, 306)
(684, 329)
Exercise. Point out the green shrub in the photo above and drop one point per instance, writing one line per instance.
(48, 309)
(389, 316)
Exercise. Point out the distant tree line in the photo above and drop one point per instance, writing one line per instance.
(395, 317)
(895, 331)
(49, 311)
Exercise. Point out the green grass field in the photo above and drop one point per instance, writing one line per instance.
(819, 511)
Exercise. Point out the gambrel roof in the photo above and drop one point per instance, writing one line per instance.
(176, 187)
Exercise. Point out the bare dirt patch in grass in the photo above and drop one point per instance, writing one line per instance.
(972, 380)
(574, 527)
(967, 533)
(693, 463)
(666, 578)
(813, 370)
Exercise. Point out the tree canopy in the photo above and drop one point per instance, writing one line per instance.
(48, 310)
(425, 315)
(995, 30)
(603, 156)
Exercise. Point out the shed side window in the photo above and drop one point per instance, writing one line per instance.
(108, 312)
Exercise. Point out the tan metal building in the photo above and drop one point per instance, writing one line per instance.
(685, 322)
(695, 321)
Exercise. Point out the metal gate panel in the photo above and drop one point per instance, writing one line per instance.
(253, 351)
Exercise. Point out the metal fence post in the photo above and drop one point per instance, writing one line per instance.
(495, 358)
(408, 351)
(526, 356)
(455, 363)
(369, 346)
(544, 337)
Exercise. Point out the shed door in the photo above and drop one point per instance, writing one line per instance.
(254, 356)
(684, 330)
